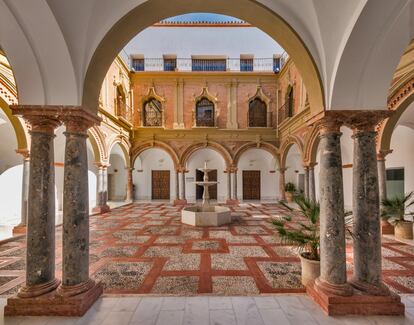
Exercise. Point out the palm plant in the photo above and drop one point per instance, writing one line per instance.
(306, 237)
(394, 209)
(290, 187)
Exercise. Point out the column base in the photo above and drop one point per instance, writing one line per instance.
(54, 304)
(180, 202)
(232, 202)
(19, 230)
(101, 209)
(369, 289)
(356, 304)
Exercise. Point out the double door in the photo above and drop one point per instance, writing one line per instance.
(251, 184)
(160, 185)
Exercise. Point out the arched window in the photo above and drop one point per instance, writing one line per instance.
(204, 112)
(289, 101)
(257, 113)
(152, 113)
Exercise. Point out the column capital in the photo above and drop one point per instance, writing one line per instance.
(24, 152)
(102, 165)
(41, 118)
(309, 165)
(382, 154)
(282, 170)
(364, 120)
(78, 119)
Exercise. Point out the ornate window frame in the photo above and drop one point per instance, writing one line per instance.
(152, 94)
(262, 96)
(205, 94)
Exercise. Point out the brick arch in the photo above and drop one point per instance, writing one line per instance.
(287, 144)
(97, 141)
(210, 145)
(311, 145)
(254, 145)
(397, 102)
(136, 151)
(125, 146)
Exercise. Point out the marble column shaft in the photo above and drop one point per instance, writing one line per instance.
(99, 187)
(130, 185)
(177, 184)
(25, 191)
(183, 185)
(75, 247)
(306, 182)
(40, 254)
(235, 184)
(367, 275)
(105, 185)
(312, 193)
(333, 277)
(382, 178)
(282, 184)
(228, 184)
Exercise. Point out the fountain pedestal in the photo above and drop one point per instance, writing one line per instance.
(206, 214)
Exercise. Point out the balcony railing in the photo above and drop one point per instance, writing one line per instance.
(189, 64)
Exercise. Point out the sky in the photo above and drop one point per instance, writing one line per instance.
(196, 17)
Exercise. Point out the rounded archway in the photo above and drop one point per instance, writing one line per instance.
(257, 176)
(153, 11)
(153, 177)
(215, 161)
(117, 174)
(293, 162)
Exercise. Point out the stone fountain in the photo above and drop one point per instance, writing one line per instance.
(206, 214)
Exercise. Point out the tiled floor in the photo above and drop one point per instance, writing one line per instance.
(202, 310)
(143, 248)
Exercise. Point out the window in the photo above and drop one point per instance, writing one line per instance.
(152, 113)
(208, 64)
(257, 113)
(289, 101)
(170, 64)
(276, 64)
(204, 112)
(246, 64)
(138, 64)
(395, 182)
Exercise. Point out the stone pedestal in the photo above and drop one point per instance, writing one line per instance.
(75, 256)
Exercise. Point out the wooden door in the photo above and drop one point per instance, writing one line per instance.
(160, 185)
(251, 184)
(212, 176)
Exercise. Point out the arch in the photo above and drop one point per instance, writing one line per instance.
(124, 145)
(263, 101)
(137, 150)
(97, 141)
(21, 136)
(261, 145)
(210, 144)
(398, 102)
(311, 145)
(152, 11)
(284, 150)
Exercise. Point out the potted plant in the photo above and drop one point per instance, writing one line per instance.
(394, 210)
(290, 190)
(305, 237)
(386, 227)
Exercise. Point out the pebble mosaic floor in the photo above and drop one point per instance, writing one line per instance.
(144, 249)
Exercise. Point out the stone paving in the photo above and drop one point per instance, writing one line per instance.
(144, 249)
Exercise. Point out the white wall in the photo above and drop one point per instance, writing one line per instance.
(117, 190)
(294, 166)
(8, 144)
(214, 161)
(151, 159)
(259, 159)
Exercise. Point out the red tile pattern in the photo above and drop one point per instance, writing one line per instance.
(144, 248)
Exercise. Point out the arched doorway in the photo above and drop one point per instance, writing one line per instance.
(295, 172)
(117, 174)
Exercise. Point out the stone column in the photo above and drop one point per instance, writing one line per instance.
(282, 182)
(101, 202)
(235, 184)
(382, 176)
(177, 185)
(183, 171)
(367, 275)
(306, 168)
(40, 255)
(105, 185)
(228, 184)
(130, 185)
(21, 227)
(312, 193)
(75, 233)
(332, 279)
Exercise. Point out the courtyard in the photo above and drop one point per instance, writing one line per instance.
(143, 248)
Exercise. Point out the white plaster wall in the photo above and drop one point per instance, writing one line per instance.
(8, 145)
(214, 161)
(146, 162)
(119, 174)
(59, 147)
(259, 159)
(92, 172)
(294, 166)
(402, 144)
(11, 195)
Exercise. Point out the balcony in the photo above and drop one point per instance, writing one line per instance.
(208, 65)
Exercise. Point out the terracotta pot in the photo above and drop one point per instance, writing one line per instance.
(386, 227)
(289, 197)
(311, 269)
(404, 230)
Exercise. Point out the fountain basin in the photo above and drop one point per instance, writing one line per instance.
(205, 216)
